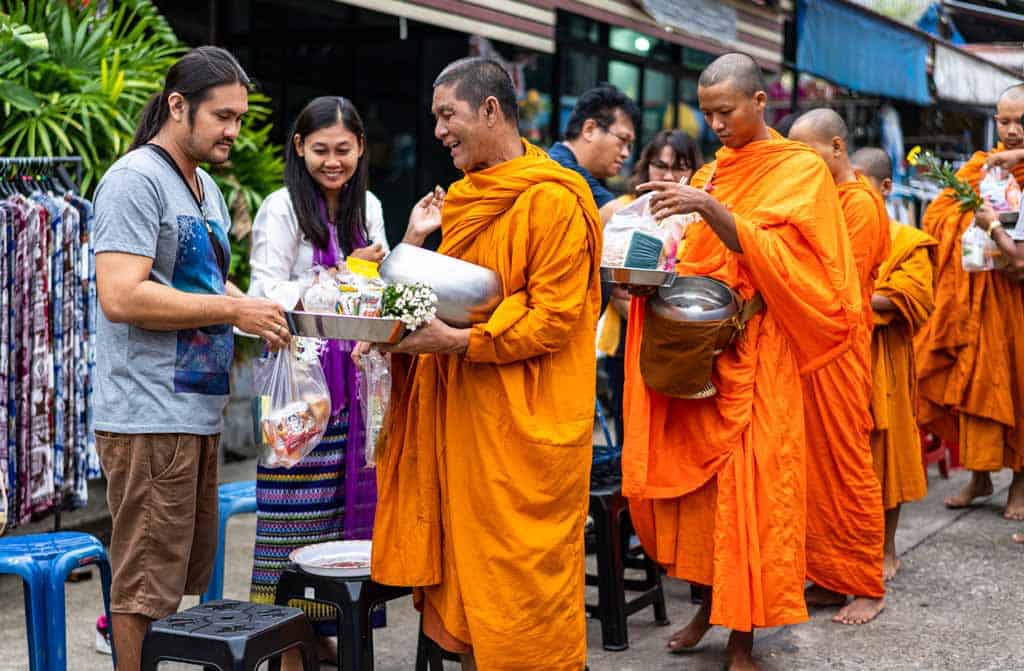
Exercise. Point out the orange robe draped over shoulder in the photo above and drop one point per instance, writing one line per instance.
(484, 474)
(845, 518)
(717, 486)
(907, 278)
(970, 356)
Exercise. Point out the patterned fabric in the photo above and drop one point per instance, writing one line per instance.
(47, 312)
(300, 506)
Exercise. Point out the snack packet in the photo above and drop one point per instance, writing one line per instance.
(295, 404)
(374, 396)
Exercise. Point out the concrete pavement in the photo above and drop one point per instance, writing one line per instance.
(958, 604)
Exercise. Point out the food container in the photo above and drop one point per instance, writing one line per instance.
(637, 277)
(1008, 218)
(345, 327)
(466, 293)
(693, 299)
(335, 559)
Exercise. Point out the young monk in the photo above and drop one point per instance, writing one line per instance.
(971, 353)
(903, 301)
(845, 519)
(483, 478)
(717, 486)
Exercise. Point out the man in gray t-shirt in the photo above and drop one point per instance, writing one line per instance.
(164, 341)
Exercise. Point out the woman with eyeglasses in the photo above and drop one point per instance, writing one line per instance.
(670, 156)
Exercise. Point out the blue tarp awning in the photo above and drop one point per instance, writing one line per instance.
(862, 52)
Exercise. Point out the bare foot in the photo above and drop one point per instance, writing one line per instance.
(1015, 499)
(860, 611)
(890, 566)
(689, 636)
(741, 651)
(980, 485)
(1018, 538)
(819, 597)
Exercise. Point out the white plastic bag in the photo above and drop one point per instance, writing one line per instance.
(635, 218)
(999, 189)
(295, 404)
(374, 395)
(978, 251)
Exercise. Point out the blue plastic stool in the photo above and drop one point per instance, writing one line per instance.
(44, 562)
(233, 498)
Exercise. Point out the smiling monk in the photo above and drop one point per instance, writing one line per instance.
(483, 478)
(717, 486)
(845, 518)
(971, 354)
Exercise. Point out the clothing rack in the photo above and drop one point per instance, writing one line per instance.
(60, 163)
(40, 162)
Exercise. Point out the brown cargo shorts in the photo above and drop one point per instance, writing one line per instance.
(162, 495)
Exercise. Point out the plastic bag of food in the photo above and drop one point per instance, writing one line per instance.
(295, 404)
(633, 238)
(978, 250)
(374, 395)
(999, 189)
(322, 294)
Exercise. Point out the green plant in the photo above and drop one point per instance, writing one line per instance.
(74, 79)
(942, 172)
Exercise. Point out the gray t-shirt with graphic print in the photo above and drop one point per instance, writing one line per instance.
(162, 381)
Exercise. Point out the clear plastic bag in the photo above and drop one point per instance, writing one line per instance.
(631, 221)
(978, 251)
(295, 404)
(374, 395)
(999, 189)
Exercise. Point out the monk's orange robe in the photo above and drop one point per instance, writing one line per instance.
(970, 355)
(717, 486)
(845, 518)
(483, 478)
(907, 278)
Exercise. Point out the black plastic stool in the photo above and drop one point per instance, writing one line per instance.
(430, 656)
(229, 635)
(352, 600)
(613, 530)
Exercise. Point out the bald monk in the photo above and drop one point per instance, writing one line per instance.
(845, 518)
(483, 477)
(971, 354)
(903, 301)
(717, 486)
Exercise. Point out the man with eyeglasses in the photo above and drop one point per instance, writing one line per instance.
(599, 138)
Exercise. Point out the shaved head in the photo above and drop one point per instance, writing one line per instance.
(476, 79)
(1013, 94)
(1010, 117)
(822, 124)
(873, 162)
(740, 69)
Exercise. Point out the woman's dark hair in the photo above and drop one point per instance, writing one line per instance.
(320, 113)
(686, 150)
(192, 76)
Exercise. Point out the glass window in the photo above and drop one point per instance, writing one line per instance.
(626, 77)
(579, 28)
(659, 94)
(633, 42)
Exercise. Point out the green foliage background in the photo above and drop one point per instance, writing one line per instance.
(74, 80)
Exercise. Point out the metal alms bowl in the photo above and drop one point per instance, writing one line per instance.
(466, 293)
(344, 327)
(694, 298)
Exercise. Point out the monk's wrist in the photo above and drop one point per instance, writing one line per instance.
(458, 341)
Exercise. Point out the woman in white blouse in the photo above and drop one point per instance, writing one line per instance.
(324, 214)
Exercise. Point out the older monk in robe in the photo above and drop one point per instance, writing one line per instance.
(903, 301)
(845, 518)
(483, 476)
(717, 486)
(971, 354)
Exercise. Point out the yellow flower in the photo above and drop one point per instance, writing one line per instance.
(912, 156)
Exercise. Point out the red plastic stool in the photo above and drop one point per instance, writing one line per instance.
(934, 451)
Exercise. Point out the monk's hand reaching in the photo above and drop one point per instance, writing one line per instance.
(1008, 159)
(671, 198)
(433, 338)
(425, 217)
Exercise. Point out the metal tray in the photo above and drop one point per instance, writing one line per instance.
(345, 327)
(1008, 218)
(638, 277)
